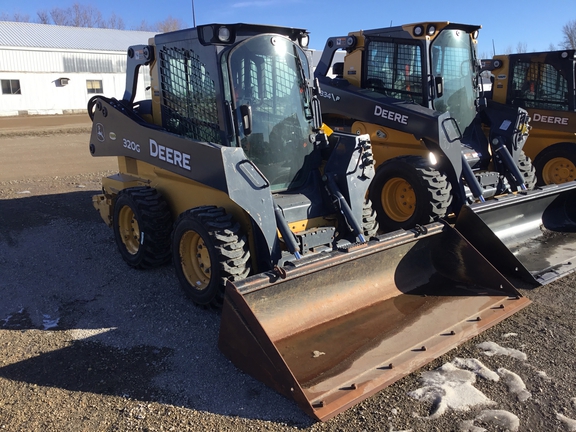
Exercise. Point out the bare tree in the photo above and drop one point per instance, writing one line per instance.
(59, 17)
(522, 47)
(77, 16)
(144, 26)
(80, 15)
(169, 24)
(552, 47)
(115, 22)
(21, 17)
(17, 17)
(43, 17)
(569, 32)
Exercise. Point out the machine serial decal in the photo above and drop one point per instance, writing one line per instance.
(131, 145)
(327, 95)
(390, 115)
(169, 155)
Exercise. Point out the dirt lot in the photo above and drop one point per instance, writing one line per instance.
(87, 344)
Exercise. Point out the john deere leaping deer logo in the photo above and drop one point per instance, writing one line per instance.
(100, 132)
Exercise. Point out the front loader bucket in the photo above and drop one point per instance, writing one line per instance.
(341, 326)
(530, 236)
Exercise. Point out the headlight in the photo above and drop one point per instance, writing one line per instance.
(224, 34)
(304, 40)
(418, 30)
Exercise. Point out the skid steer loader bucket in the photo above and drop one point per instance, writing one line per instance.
(336, 328)
(529, 236)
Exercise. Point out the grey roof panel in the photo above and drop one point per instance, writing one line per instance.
(31, 35)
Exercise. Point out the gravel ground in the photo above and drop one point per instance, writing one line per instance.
(88, 344)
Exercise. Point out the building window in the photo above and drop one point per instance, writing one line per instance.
(94, 86)
(11, 87)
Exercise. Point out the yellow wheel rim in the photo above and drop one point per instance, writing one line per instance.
(129, 230)
(195, 260)
(398, 199)
(558, 170)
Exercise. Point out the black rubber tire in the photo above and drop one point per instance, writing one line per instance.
(146, 242)
(228, 255)
(527, 170)
(369, 223)
(561, 150)
(432, 191)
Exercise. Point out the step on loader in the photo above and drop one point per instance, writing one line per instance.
(440, 147)
(543, 83)
(227, 172)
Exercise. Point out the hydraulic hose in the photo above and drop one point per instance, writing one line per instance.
(508, 162)
(344, 208)
(286, 233)
(471, 180)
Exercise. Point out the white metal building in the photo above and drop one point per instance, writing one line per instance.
(48, 69)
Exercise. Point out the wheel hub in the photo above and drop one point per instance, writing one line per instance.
(559, 170)
(129, 230)
(195, 260)
(398, 199)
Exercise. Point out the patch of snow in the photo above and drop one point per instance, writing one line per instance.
(468, 426)
(568, 422)
(507, 335)
(477, 367)
(394, 411)
(515, 384)
(449, 387)
(501, 418)
(543, 375)
(492, 349)
(48, 322)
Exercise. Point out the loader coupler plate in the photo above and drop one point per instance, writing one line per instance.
(343, 326)
(529, 236)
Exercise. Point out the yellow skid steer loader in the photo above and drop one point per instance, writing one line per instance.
(439, 147)
(544, 84)
(226, 171)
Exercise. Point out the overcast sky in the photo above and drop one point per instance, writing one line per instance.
(507, 24)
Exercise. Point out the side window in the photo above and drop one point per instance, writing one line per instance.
(395, 69)
(188, 96)
(11, 87)
(539, 85)
(94, 86)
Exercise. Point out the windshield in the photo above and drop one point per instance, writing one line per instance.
(452, 59)
(268, 75)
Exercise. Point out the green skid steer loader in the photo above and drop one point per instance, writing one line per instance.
(227, 172)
